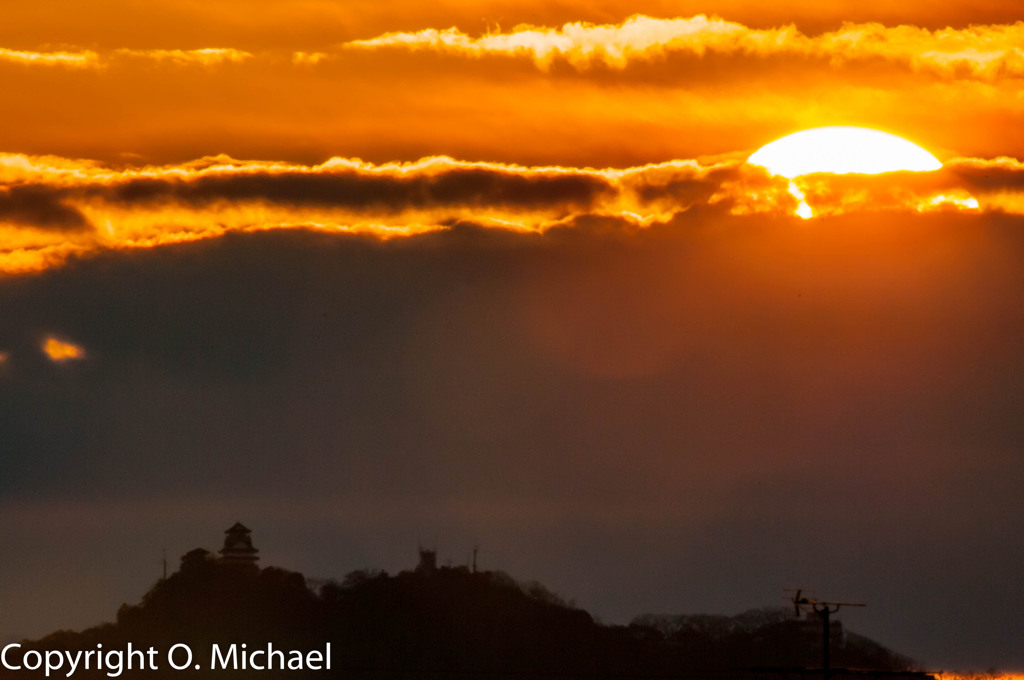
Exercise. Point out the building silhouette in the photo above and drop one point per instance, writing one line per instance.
(428, 562)
(238, 548)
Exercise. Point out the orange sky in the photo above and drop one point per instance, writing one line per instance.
(132, 85)
(123, 88)
(507, 257)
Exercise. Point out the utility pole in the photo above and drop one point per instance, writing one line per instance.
(824, 610)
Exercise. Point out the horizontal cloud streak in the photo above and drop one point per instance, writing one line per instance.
(204, 57)
(980, 51)
(86, 59)
(392, 193)
(984, 52)
(36, 205)
(82, 59)
(52, 208)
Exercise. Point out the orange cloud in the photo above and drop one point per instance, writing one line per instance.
(202, 57)
(82, 59)
(52, 208)
(985, 52)
(309, 58)
(90, 59)
(394, 104)
(979, 51)
(60, 351)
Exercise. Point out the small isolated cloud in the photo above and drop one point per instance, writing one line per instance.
(309, 58)
(204, 57)
(60, 351)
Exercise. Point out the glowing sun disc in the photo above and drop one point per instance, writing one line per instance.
(841, 150)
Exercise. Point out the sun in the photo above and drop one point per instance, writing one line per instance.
(839, 150)
(842, 150)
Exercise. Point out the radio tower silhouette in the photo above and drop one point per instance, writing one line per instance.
(824, 610)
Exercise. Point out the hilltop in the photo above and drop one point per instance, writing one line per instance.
(436, 622)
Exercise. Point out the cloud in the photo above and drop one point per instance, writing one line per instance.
(60, 351)
(53, 208)
(309, 58)
(83, 59)
(90, 59)
(983, 52)
(466, 185)
(203, 57)
(394, 104)
(995, 174)
(167, 204)
(38, 206)
(963, 184)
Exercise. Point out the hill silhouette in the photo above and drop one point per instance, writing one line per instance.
(437, 622)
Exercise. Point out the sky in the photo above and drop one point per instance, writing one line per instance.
(367, 276)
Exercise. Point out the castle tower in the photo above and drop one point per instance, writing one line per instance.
(238, 547)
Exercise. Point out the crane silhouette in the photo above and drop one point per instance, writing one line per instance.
(825, 610)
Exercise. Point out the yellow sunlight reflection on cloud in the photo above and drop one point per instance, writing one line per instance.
(61, 208)
(984, 51)
(60, 351)
(83, 59)
(91, 59)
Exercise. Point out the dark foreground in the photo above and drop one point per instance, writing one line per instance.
(428, 623)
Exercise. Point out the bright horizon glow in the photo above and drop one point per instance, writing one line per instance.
(842, 150)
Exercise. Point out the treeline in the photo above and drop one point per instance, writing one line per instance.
(445, 622)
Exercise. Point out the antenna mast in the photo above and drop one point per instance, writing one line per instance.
(824, 610)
